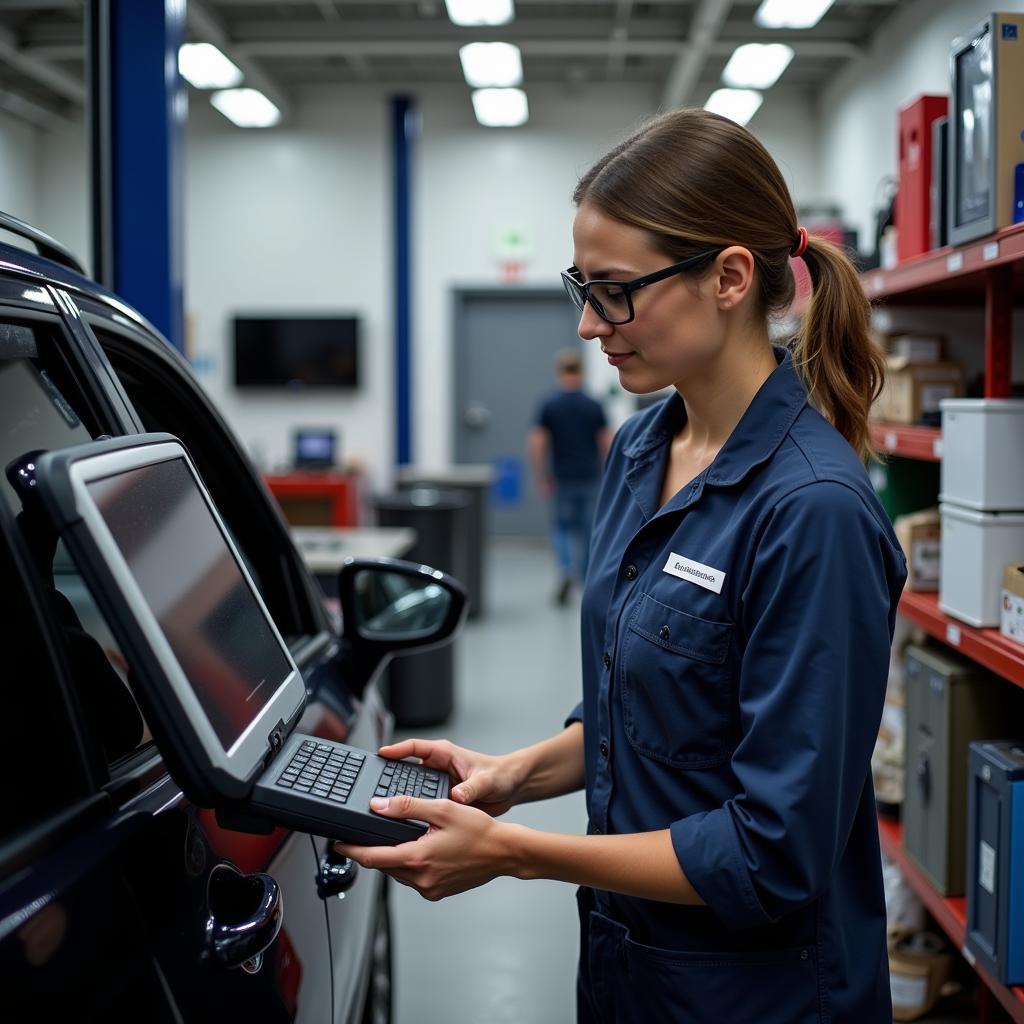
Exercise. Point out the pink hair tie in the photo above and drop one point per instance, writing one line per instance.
(801, 246)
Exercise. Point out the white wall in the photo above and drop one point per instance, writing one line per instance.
(299, 218)
(858, 112)
(291, 219)
(65, 202)
(472, 182)
(18, 161)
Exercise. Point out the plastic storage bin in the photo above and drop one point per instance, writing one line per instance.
(995, 871)
(983, 453)
(976, 547)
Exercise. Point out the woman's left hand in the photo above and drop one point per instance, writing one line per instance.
(465, 847)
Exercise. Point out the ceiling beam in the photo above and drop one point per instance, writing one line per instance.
(34, 113)
(54, 78)
(208, 27)
(619, 35)
(707, 23)
(328, 10)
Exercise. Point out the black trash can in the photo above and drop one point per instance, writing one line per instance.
(421, 687)
(476, 482)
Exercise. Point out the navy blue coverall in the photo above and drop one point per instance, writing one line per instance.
(735, 654)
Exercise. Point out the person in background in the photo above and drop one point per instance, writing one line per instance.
(567, 447)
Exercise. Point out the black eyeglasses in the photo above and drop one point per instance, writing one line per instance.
(613, 300)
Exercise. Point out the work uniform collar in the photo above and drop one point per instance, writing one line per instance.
(754, 439)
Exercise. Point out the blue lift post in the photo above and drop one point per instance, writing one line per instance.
(404, 127)
(137, 118)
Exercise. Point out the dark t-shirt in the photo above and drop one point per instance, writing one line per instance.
(573, 420)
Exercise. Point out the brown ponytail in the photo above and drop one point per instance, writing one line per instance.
(695, 180)
(841, 365)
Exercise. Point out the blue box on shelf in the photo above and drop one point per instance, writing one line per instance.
(995, 858)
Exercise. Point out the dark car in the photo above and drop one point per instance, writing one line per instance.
(119, 899)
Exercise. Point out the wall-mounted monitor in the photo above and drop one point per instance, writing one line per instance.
(296, 352)
(986, 126)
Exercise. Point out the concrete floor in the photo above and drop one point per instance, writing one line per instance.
(506, 953)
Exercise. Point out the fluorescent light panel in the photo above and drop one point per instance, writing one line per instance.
(205, 67)
(791, 13)
(480, 12)
(248, 108)
(500, 108)
(491, 64)
(757, 65)
(738, 105)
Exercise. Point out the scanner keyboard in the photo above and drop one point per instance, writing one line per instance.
(399, 777)
(323, 770)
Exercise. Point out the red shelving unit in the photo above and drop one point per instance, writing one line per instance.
(989, 270)
(987, 273)
(953, 274)
(924, 443)
(950, 913)
(987, 647)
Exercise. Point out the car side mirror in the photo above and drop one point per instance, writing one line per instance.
(389, 607)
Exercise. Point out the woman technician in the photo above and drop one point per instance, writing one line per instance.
(736, 620)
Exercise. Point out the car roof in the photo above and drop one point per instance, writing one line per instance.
(23, 263)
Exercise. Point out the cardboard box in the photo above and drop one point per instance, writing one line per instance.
(917, 348)
(914, 390)
(919, 966)
(1011, 622)
(920, 536)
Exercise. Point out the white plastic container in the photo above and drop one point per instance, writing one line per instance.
(983, 453)
(976, 547)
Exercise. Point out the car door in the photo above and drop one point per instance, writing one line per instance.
(72, 941)
(165, 396)
(162, 859)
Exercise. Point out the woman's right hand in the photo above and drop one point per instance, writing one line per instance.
(481, 780)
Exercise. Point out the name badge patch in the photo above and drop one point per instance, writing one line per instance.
(696, 572)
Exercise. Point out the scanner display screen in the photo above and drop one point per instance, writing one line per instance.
(192, 583)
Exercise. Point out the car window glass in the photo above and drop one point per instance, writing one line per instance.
(32, 697)
(41, 408)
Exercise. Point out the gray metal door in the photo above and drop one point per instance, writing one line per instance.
(505, 346)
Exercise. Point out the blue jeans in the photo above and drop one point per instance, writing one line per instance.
(574, 502)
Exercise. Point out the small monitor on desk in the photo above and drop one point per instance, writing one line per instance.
(314, 449)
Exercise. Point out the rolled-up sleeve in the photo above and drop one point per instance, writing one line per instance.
(817, 613)
(576, 715)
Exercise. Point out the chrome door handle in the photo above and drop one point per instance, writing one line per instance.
(244, 917)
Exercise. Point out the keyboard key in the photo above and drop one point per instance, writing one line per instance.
(339, 798)
(287, 783)
(301, 787)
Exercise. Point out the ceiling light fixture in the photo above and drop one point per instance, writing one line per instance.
(480, 12)
(491, 64)
(791, 13)
(248, 108)
(205, 67)
(738, 105)
(757, 65)
(500, 108)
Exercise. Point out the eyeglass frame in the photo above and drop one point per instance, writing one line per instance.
(576, 288)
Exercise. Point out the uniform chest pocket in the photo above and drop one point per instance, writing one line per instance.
(676, 686)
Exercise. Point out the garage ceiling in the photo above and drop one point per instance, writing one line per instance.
(677, 46)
